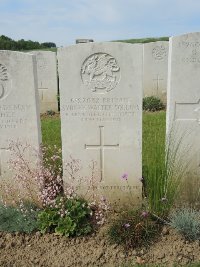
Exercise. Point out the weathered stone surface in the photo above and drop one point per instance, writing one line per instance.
(19, 116)
(183, 110)
(47, 80)
(155, 65)
(101, 114)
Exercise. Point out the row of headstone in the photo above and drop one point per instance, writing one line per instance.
(101, 108)
(155, 60)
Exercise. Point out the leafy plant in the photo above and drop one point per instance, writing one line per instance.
(50, 112)
(69, 217)
(12, 219)
(187, 222)
(152, 103)
(133, 229)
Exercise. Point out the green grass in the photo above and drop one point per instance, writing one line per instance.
(51, 134)
(144, 40)
(53, 49)
(153, 137)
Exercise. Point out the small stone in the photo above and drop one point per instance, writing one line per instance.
(164, 238)
(189, 249)
(8, 236)
(121, 255)
(161, 256)
(77, 241)
(102, 242)
(17, 234)
(165, 231)
(142, 252)
(28, 238)
(38, 234)
(134, 253)
(114, 246)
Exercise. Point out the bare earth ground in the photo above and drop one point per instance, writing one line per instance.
(50, 250)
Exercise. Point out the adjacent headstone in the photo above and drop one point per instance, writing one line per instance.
(155, 67)
(47, 80)
(183, 109)
(101, 115)
(19, 117)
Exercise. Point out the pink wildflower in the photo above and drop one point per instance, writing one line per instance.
(127, 225)
(145, 214)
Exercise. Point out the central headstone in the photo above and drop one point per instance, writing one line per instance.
(101, 115)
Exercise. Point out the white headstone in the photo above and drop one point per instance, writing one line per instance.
(155, 69)
(47, 80)
(101, 114)
(183, 108)
(19, 117)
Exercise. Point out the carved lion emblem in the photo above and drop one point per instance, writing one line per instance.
(3, 79)
(100, 72)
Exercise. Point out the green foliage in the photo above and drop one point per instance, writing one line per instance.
(144, 40)
(69, 217)
(50, 112)
(7, 43)
(14, 220)
(152, 103)
(187, 222)
(132, 229)
(48, 44)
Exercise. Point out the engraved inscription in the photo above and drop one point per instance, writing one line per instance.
(159, 52)
(13, 116)
(100, 72)
(112, 187)
(194, 57)
(188, 44)
(3, 80)
(101, 147)
(41, 62)
(99, 109)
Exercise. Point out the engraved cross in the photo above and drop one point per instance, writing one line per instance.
(42, 90)
(188, 111)
(101, 147)
(158, 79)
